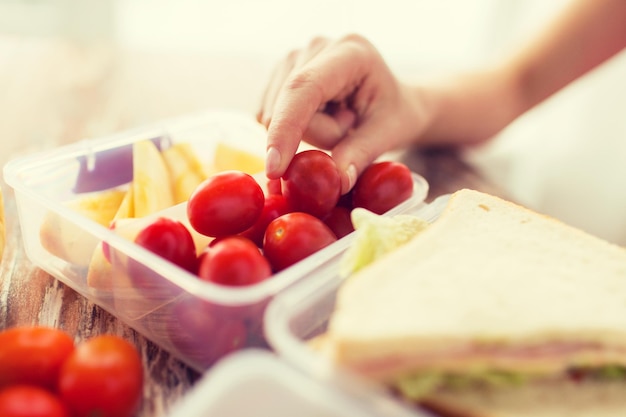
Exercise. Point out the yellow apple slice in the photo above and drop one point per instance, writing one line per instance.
(100, 271)
(68, 241)
(185, 170)
(151, 185)
(126, 209)
(228, 157)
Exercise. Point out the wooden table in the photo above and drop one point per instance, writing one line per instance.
(53, 92)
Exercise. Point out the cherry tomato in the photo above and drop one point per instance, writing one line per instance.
(382, 186)
(226, 203)
(234, 261)
(33, 355)
(312, 183)
(294, 236)
(275, 205)
(171, 240)
(204, 332)
(102, 377)
(30, 401)
(339, 221)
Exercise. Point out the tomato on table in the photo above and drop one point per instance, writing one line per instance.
(102, 377)
(33, 355)
(30, 401)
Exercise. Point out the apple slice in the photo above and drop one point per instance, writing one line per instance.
(68, 241)
(126, 209)
(100, 271)
(229, 157)
(185, 170)
(151, 185)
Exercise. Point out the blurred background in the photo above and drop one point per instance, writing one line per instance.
(564, 158)
(409, 32)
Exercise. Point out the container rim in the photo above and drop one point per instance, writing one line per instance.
(162, 130)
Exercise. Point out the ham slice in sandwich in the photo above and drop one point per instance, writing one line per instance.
(493, 310)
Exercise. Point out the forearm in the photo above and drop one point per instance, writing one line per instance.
(473, 107)
(468, 108)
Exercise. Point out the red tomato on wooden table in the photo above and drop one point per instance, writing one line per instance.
(30, 401)
(33, 355)
(102, 377)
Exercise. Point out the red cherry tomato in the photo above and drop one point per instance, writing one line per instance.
(30, 401)
(226, 203)
(234, 261)
(312, 183)
(382, 186)
(171, 240)
(102, 377)
(33, 355)
(275, 205)
(294, 236)
(339, 221)
(203, 332)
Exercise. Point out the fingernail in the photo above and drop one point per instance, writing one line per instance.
(272, 159)
(351, 174)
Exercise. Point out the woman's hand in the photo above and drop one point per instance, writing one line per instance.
(339, 96)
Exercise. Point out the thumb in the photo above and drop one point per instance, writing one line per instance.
(359, 148)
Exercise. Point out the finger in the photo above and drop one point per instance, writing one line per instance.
(331, 75)
(294, 60)
(326, 130)
(315, 46)
(282, 70)
(359, 148)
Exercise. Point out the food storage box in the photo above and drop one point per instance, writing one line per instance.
(195, 320)
(258, 383)
(299, 314)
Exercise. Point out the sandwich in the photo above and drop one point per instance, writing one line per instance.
(493, 310)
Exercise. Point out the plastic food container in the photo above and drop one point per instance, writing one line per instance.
(257, 383)
(194, 320)
(299, 314)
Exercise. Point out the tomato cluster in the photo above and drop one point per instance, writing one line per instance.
(43, 373)
(256, 228)
(258, 231)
